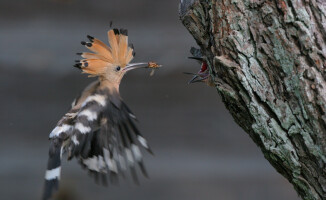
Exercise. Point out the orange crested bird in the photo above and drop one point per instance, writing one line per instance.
(203, 74)
(99, 130)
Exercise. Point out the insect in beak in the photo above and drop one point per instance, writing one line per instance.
(132, 66)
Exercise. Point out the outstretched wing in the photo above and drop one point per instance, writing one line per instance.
(101, 133)
(105, 138)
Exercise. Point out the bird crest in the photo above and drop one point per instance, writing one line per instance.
(119, 53)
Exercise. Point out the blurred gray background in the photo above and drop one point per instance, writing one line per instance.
(200, 152)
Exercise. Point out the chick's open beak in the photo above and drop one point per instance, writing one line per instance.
(203, 73)
(197, 58)
(197, 78)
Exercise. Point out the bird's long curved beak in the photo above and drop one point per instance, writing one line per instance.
(135, 66)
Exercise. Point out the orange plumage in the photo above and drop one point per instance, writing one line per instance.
(118, 54)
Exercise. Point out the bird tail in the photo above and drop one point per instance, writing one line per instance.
(52, 174)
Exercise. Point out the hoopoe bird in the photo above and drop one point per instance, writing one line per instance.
(203, 74)
(99, 130)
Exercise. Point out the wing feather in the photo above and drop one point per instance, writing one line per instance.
(108, 144)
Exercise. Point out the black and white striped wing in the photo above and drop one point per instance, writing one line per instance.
(102, 135)
(105, 138)
(57, 137)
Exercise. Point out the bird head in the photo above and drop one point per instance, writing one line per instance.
(110, 63)
(203, 74)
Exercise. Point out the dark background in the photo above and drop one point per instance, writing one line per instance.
(200, 152)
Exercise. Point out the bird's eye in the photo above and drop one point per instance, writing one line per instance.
(118, 68)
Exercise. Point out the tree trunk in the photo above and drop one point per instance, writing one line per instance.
(267, 59)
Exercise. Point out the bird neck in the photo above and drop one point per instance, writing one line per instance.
(112, 86)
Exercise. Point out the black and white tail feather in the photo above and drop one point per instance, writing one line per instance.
(100, 132)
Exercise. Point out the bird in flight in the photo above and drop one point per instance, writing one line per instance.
(203, 74)
(99, 130)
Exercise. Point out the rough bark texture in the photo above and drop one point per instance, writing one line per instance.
(267, 58)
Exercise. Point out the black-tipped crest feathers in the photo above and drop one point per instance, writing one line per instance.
(118, 54)
(124, 32)
(91, 38)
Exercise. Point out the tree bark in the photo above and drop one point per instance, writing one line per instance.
(267, 60)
